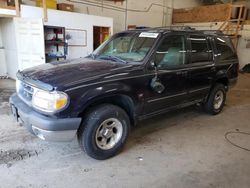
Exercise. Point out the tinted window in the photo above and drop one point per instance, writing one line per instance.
(171, 52)
(200, 49)
(225, 51)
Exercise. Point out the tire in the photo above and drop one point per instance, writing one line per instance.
(104, 131)
(212, 106)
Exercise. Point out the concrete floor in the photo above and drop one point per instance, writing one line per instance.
(185, 148)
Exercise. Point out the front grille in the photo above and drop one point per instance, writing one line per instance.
(25, 92)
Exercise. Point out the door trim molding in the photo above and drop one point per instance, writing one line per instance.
(170, 96)
(200, 89)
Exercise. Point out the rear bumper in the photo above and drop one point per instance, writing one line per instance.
(44, 127)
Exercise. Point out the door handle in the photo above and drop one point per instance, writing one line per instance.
(213, 69)
(182, 73)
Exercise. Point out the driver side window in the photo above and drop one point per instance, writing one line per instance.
(171, 53)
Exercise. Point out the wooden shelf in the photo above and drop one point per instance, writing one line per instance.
(49, 42)
(9, 11)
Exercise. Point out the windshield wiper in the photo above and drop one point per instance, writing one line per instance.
(113, 58)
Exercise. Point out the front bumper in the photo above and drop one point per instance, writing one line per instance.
(44, 127)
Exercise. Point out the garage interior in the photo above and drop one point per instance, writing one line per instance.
(182, 148)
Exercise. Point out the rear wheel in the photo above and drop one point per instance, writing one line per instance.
(104, 131)
(216, 99)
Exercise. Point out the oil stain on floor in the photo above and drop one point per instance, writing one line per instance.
(11, 156)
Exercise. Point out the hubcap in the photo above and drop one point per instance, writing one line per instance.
(218, 100)
(109, 133)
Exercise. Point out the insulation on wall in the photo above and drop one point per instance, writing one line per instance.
(212, 13)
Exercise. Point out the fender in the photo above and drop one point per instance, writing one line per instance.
(222, 77)
(221, 74)
(108, 91)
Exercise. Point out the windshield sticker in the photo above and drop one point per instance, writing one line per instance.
(149, 35)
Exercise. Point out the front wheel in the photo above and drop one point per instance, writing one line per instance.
(104, 131)
(216, 99)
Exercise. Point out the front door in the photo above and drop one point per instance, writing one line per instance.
(170, 59)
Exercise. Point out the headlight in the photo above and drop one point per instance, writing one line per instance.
(49, 101)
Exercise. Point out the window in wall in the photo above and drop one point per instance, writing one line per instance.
(171, 52)
(200, 49)
(225, 51)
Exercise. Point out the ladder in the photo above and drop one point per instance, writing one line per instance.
(234, 24)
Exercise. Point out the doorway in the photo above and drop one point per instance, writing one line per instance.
(101, 34)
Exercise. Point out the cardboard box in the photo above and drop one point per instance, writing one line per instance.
(65, 7)
(12, 3)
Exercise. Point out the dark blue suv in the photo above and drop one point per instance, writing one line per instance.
(133, 76)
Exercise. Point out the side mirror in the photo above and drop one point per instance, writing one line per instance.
(153, 64)
(156, 85)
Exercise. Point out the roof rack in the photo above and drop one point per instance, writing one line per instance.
(218, 32)
(176, 27)
(189, 28)
(185, 28)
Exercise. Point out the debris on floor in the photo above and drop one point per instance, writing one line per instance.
(140, 158)
(4, 77)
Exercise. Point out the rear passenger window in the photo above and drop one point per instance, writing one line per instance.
(201, 52)
(225, 49)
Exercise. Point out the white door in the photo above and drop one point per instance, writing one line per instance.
(30, 42)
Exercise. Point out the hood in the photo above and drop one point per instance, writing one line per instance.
(61, 74)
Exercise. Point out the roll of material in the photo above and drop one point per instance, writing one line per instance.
(3, 68)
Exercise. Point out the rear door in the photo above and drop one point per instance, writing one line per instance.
(202, 69)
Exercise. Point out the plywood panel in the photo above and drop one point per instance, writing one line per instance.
(212, 13)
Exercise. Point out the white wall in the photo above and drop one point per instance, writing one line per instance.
(149, 13)
(153, 17)
(71, 20)
(243, 52)
(186, 3)
(1, 42)
(9, 43)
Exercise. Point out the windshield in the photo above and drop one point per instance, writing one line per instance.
(127, 47)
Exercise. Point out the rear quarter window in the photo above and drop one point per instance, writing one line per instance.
(225, 49)
(201, 51)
